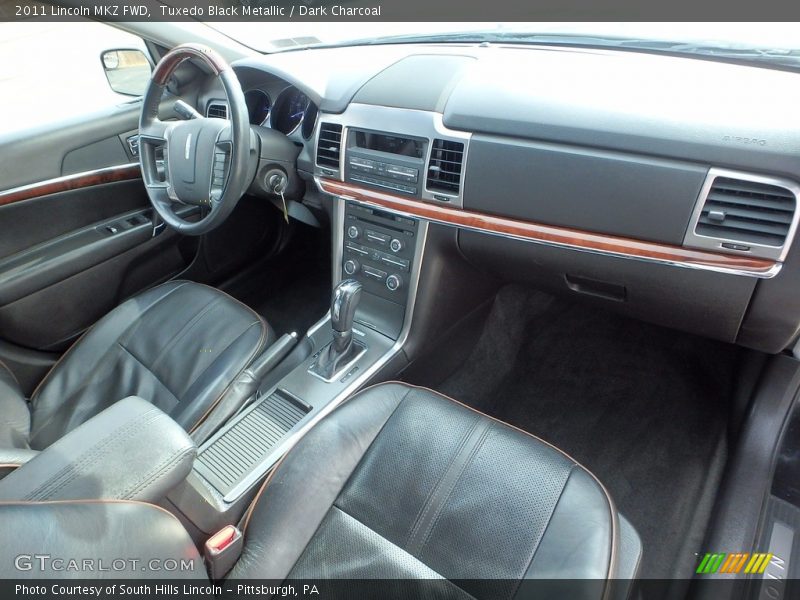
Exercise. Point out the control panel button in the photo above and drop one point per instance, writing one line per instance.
(396, 245)
(394, 283)
(351, 267)
(377, 237)
(353, 232)
(408, 189)
(357, 248)
(395, 262)
(376, 274)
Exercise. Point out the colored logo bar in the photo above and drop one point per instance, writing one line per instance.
(736, 562)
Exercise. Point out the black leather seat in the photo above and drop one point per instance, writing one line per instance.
(178, 345)
(400, 483)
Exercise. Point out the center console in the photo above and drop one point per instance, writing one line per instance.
(377, 258)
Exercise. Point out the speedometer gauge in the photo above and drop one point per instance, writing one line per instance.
(258, 106)
(309, 121)
(290, 107)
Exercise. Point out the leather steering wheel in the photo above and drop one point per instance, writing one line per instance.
(207, 162)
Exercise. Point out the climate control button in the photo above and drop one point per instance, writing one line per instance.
(351, 267)
(394, 282)
(396, 245)
(353, 232)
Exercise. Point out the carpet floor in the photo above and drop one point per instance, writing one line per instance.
(292, 291)
(642, 407)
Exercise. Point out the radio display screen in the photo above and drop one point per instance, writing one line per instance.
(390, 143)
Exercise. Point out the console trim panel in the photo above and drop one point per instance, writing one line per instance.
(554, 236)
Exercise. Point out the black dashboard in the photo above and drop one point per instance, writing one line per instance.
(664, 186)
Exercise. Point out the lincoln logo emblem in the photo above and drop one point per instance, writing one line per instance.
(188, 145)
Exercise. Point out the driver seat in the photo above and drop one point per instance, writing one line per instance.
(178, 345)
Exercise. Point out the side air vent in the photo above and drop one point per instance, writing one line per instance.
(444, 168)
(329, 145)
(747, 211)
(217, 110)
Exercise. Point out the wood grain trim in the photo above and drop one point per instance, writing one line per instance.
(70, 182)
(560, 236)
(170, 61)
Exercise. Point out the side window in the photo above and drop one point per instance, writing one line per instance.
(53, 72)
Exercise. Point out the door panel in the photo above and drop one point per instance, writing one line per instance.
(24, 224)
(83, 144)
(73, 245)
(52, 316)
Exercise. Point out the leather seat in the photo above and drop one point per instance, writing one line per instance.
(178, 345)
(399, 483)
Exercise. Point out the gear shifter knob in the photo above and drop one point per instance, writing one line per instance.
(345, 300)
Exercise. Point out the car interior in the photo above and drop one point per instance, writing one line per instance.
(399, 312)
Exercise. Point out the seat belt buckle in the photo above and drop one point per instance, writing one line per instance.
(222, 550)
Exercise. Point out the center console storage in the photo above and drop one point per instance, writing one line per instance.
(233, 461)
(240, 449)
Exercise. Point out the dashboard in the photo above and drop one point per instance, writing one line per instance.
(662, 187)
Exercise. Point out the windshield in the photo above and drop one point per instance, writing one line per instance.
(765, 42)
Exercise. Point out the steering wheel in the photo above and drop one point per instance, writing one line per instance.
(207, 162)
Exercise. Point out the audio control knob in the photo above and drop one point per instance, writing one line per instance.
(351, 267)
(394, 283)
(396, 245)
(353, 232)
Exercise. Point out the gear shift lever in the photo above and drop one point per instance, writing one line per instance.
(334, 357)
(346, 297)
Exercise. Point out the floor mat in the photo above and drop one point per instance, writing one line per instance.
(292, 290)
(642, 407)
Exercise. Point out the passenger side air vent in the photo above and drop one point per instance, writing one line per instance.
(750, 212)
(329, 145)
(217, 110)
(444, 168)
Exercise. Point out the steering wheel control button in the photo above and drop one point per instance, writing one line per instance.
(394, 283)
(218, 181)
(373, 273)
(351, 267)
(353, 232)
(396, 245)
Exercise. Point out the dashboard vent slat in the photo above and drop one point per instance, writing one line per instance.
(329, 145)
(444, 167)
(217, 110)
(747, 211)
(734, 200)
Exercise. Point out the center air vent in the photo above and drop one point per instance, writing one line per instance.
(747, 211)
(444, 168)
(217, 110)
(329, 145)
